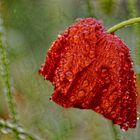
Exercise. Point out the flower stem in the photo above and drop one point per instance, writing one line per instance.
(6, 77)
(8, 127)
(123, 24)
(117, 134)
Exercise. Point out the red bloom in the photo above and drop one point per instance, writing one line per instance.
(92, 69)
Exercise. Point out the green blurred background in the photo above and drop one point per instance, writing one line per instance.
(30, 27)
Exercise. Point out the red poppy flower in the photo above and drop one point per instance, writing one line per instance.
(92, 69)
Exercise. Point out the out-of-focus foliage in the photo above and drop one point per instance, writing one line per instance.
(108, 6)
(133, 12)
(31, 26)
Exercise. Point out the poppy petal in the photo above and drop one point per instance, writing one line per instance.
(92, 69)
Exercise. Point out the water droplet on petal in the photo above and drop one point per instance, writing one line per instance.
(105, 90)
(109, 109)
(126, 67)
(72, 98)
(81, 93)
(97, 108)
(104, 70)
(69, 75)
(132, 63)
(83, 105)
(107, 80)
(91, 54)
(85, 83)
(113, 64)
(87, 47)
(121, 54)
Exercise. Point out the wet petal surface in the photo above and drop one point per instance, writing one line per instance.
(91, 69)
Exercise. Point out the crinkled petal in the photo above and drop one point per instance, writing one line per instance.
(92, 69)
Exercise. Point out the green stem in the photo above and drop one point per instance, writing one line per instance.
(117, 134)
(19, 131)
(123, 24)
(6, 76)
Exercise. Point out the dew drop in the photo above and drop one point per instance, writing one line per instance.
(87, 47)
(105, 90)
(113, 64)
(104, 70)
(83, 105)
(85, 83)
(64, 91)
(132, 63)
(126, 67)
(45, 77)
(6, 131)
(59, 36)
(121, 54)
(86, 62)
(97, 108)
(21, 129)
(127, 92)
(69, 75)
(72, 98)
(96, 69)
(81, 93)
(109, 109)
(22, 136)
(76, 38)
(91, 54)
(120, 80)
(123, 129)
(119, 68)
(107, 80)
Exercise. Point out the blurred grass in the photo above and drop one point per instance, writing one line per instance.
(31, 26)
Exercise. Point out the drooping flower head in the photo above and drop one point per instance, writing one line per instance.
(92, 69)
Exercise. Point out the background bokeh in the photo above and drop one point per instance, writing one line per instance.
(30, 28)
